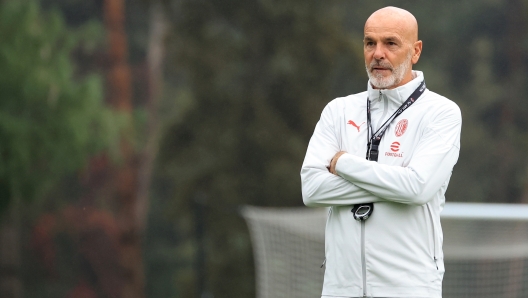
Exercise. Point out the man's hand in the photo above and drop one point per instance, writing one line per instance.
(333, 162)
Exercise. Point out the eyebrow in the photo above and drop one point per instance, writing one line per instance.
(384, 39)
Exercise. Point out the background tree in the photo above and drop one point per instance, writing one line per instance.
(50, 120)
(115, 196)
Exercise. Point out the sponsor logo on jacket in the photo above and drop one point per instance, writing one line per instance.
(394, 147)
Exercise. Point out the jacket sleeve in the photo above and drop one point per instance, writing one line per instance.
(320, 188)
(430, 166)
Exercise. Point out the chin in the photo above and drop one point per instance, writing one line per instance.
(383, 84)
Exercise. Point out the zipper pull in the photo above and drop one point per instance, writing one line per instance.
(380, 95)
(435, 259)
(324, 262)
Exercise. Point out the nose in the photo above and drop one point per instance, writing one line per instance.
(378, 52)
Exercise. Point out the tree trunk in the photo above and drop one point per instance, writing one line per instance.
(133, 177)
(155, 57)
(119, 92)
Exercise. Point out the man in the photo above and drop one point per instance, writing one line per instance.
(381, 160)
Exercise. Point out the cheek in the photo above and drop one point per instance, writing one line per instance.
(368, 57)
(368, 62)
(400, 57)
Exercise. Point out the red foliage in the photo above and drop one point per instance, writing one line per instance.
(96, 234)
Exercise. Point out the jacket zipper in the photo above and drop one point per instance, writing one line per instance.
(434, 235)
(363, 258)
(363, 262)
(385, 108)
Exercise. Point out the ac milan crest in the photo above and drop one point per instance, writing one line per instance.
(401, 127)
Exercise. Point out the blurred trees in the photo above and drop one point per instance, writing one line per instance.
(253, 77)
(103, 219)
(51, 120)
(105, 223)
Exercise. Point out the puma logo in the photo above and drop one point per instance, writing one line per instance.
(354, 124)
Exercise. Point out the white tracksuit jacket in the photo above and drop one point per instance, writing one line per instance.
(397, 252)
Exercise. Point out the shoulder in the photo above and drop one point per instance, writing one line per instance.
(341, 107)
(439, 104)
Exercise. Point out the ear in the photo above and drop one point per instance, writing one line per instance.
(417, 50)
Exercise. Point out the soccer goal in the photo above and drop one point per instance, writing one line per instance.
(485, 250)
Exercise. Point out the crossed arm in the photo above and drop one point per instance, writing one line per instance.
(332, 177)
(333, 162)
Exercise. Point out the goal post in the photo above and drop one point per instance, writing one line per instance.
(288, 248)
(485, 211)
(485, 250)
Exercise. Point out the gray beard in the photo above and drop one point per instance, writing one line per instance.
(398, 72)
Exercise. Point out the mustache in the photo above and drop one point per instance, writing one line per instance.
(383, 64)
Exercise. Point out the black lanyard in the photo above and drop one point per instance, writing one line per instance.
(374, 139)
(362, 212)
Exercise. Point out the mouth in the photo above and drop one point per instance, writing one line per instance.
(380, 69)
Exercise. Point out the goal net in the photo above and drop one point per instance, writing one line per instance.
(485, 250)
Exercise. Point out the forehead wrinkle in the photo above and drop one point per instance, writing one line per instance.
(384, 35)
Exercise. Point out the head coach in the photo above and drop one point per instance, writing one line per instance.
(382, 160)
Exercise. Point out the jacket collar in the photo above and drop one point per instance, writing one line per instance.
(397, 95)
